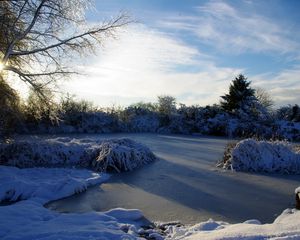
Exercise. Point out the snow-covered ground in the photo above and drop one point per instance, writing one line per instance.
(29, 219)
(264, 156)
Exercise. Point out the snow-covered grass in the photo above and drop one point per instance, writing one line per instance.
(115, 154)
(262, 156)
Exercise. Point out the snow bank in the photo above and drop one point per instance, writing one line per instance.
(263, 156)
(28, 219)
(116, 154)
(45, 184)
(286, 226)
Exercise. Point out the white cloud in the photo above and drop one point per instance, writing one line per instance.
(231, 30)
(284, 87)
(143, 63)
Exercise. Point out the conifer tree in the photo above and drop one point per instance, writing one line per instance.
(239, 94)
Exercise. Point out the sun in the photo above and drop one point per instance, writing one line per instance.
(1, 66)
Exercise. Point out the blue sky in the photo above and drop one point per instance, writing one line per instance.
(193, 49)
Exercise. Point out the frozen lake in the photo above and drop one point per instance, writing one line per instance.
(185, 185)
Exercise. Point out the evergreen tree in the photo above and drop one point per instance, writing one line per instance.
(239, 94)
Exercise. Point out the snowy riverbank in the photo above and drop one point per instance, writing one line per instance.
(29, 219)
(29, 189)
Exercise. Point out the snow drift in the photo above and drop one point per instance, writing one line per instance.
(263, 156)
(107, 155)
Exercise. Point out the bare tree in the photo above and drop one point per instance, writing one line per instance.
(166, 104)
(264, 98)
(37, 36)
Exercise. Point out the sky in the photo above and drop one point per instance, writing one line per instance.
(192, 50)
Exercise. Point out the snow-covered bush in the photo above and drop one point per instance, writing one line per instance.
(289, 113)
(83, 117)
(144, 123)
(176, 124)
(121, 155)
(107, 155)
(139, 118)
(203, 115)
(288, 130)
(262, 156)
(219, 125)
(90, 122)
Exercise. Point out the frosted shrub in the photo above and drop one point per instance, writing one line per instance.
(116, 154)
(121, 155)
(263, 156)
(144, 123)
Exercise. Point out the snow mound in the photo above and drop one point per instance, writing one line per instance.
(264, 156)
(107, 155)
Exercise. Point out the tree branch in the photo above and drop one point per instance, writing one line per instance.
(18, 38)
(69, 40)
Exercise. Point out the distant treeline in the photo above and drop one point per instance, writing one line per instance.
(240, 113)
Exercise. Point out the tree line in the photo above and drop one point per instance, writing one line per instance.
(240, 113)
